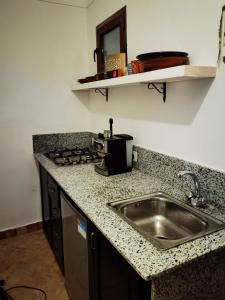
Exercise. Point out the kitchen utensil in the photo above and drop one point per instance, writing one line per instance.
(162, 62)
(111, 127)
(114, 74)
(149, 55)
(116, 152)
(129, 69)
(116, 61)
(82, 80)
(100, 76)
(136, 66)
(90, 78)
(106, 134)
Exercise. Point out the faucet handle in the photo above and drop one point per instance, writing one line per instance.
(189, 195)
(199, 202)
(196, 202)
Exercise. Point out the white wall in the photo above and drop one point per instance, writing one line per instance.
(44, 49)
(42, 46)
(191, 124)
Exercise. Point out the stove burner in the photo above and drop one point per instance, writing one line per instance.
(89, 158)
(83, 159)
(74, 159)
(53, 154)
(66, 153)
(73, 156)
(61, 161)
(78, 152)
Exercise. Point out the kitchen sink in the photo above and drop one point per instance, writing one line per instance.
(165, 221)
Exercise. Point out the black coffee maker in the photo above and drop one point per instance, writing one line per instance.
(115, 151)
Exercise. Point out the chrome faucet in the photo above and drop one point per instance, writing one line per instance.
(197, 198)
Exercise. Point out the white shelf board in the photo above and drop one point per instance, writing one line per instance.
(180, 73)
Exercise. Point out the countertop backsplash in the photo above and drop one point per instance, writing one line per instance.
(166, 168)
(150, 162)
(43, 143)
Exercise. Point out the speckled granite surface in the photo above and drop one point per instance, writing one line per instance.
(91, 191)
(60, 141)
(202, 280)
(166, 167)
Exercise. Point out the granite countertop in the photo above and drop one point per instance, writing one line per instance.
(91, 191)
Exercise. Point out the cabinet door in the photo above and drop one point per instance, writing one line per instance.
(51, 215)
(56, 220)
(93, 262)
(55, 206)
(116, 279)
(46, 218)
(58, 250)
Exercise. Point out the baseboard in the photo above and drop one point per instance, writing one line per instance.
(20, 230)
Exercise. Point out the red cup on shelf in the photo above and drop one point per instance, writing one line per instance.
(136, 67)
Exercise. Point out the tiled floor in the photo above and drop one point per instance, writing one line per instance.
(27, 260)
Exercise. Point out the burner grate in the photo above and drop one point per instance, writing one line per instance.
(74, 156)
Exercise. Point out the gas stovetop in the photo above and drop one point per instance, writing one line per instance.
(73, 156)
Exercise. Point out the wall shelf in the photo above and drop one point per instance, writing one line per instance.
(174, 74)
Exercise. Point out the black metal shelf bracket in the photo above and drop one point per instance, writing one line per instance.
(104, 92)
(161, 89)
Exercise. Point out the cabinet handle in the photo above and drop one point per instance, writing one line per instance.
(55, 213)
(52, 190)
(93, 240)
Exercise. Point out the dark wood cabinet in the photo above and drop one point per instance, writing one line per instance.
(110, 276)
(116, 278)
(46, 219)
(51, 215)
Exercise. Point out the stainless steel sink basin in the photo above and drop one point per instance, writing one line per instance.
(165, 221)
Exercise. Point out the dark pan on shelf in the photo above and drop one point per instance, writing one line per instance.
(161, 63)
(90, 78)
(82, 80)
(161, 54)
(87, 79)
